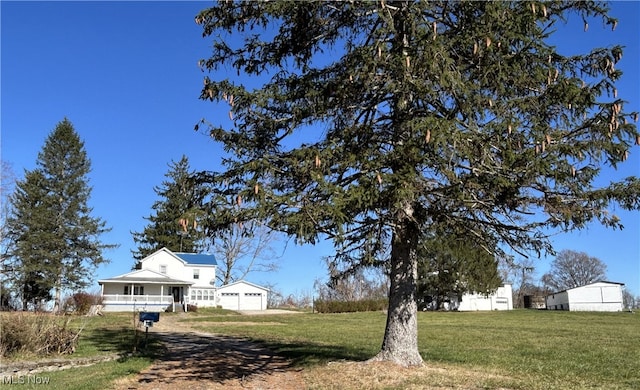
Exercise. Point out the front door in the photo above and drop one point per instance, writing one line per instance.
(177, 294)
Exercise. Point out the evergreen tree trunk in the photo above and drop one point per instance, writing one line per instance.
(400, 343)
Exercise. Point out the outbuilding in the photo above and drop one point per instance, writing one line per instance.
(598, 296)
(242, 295)
(501, 299)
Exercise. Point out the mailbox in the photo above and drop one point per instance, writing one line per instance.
(149, 316)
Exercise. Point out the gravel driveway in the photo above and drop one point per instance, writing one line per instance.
(197, 360)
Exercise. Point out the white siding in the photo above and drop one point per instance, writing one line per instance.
(206, 275)
(178, 269)
(558, 301)
(243, 296)
(174, 266)
(501, 299)
(599, 296)
(611, 294)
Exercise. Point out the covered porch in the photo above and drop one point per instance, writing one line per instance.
(144, 290)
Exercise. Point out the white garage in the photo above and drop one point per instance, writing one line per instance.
(242, 295)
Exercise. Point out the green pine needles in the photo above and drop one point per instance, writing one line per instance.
(371, 122)
(176, 217)
(54, 241)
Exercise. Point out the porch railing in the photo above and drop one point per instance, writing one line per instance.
(138, 299)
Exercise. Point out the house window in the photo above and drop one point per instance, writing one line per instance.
(196, 274)
(199, 292)
(163, 269)
(193, 295)
(137, 290)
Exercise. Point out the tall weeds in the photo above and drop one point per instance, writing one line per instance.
(38, 334)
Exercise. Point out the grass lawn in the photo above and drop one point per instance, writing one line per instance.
(517, 349)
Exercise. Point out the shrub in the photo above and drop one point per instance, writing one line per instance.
(326, 306)
(191, 307)
(81, 302)
(38, 334)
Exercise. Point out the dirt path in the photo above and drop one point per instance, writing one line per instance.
(197, 360)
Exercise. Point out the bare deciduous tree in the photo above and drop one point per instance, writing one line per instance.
(520, 274)
(629, 300)
(573, 269)
(243, 249)
(370, 284)
(6, 267)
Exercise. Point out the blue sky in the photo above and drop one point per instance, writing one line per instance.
(126, 75)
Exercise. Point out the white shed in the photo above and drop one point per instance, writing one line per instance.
(501, 299)
(242, 295)
(598, 296)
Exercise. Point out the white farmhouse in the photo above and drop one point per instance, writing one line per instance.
(598, 296)
(172, 281)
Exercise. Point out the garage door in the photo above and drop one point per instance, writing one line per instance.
(230, 301)
(252, 301)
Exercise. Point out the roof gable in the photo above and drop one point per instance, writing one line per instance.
(243, 282)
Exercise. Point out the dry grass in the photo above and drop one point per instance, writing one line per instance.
(380, 375)
(36, 334)
(243, 323)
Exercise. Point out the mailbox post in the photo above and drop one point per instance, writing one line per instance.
(148, 318)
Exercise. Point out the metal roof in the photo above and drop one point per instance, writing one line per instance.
(197, 258)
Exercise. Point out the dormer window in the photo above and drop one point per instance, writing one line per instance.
(196, 274)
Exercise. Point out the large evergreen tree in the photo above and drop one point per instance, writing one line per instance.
(29, 268)
(175, 218)
(368, 122)
(55, 240)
